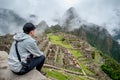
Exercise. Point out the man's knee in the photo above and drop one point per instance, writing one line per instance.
(43, 57)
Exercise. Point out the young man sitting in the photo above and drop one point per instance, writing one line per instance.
(24, 54)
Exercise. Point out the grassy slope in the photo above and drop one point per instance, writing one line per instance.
(58, 75)
(57, 40)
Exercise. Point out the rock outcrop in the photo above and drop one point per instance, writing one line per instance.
(6, 74)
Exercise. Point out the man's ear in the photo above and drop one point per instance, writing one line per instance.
(30, 32)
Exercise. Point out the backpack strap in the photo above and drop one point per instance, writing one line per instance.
(16, 48)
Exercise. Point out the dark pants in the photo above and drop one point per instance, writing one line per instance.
(34, 62)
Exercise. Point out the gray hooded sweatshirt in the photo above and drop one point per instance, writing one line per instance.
(26, 46)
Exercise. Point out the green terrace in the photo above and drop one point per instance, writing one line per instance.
(58, 40)
(60, 75)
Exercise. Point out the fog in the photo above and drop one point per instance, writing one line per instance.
(105, 13)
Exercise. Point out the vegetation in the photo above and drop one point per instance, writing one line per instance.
(58, 60)
(111, 67)
(55, 74)
(115, 50)
(57, 39)
(59, 75)
(75, 53)
(102, 44)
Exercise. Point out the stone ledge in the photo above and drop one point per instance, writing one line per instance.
(32, 75)
(6, 74)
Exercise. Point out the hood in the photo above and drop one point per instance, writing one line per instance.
(20, 36)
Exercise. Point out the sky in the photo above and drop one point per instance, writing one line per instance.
(101, 12)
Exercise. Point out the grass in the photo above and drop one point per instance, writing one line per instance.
(86, 70)
(57, 75)
(57, 40)
(74, 77)
(58, 60)
(75, 53)
(73, 69)
(97, 58)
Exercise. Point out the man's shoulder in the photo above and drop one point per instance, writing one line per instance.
(29, 40)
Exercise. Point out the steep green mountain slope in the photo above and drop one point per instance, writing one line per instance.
(102, 40)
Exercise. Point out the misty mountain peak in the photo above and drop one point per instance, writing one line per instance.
(10, 16)
(70, 19)
(71, 13)
(41, 27)
(9, 20)
(42, 24)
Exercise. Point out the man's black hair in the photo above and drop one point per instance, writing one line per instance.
(28, 27)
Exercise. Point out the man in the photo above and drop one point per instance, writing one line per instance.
(25, 46)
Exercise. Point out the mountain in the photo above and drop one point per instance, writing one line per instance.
(69, 57)
(70, 19)
(116, 23)
(96, 35)
(117, 36)
(10, 21)
(41, 27)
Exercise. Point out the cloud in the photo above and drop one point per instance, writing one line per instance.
(100, 12)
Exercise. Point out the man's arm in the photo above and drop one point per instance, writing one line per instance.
(33, 49)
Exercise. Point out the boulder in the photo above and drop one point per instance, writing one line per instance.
(6, 74)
